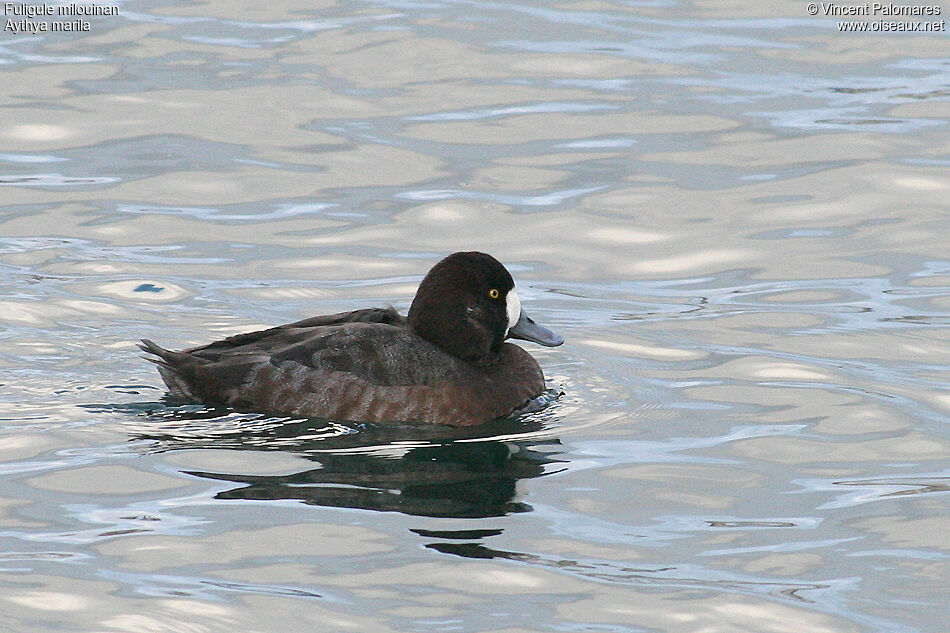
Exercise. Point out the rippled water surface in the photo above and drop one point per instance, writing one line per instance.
(735, 215)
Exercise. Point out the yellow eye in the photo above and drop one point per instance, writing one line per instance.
(493, 293)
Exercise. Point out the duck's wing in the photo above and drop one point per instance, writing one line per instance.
(264, 341)
(335, 366)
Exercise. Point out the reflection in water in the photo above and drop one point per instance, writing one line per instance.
(689, 576)
(435, 471)
(448, 480)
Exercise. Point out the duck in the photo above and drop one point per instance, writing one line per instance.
(448, 361)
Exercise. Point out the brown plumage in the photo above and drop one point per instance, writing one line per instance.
(447, 363)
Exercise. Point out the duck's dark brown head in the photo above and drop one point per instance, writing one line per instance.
(467, 306)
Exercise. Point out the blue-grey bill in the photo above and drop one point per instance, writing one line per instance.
(527, 330)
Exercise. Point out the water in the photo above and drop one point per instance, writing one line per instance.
(735, 215)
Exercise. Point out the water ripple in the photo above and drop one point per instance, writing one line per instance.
(54, 180)
(543, 200)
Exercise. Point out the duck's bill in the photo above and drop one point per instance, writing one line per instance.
(527, 330)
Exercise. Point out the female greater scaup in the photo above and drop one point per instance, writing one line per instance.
(446, 363)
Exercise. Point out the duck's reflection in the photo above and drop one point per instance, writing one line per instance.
(432, 471)
(449, 480)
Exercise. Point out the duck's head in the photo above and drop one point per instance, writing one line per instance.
(467, 306)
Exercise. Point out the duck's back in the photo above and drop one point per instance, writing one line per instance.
(366, 365)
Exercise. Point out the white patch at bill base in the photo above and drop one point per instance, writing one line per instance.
(514, 308)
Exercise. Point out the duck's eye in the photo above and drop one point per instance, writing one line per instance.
(493, 293)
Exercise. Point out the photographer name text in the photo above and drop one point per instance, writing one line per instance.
(878, 9)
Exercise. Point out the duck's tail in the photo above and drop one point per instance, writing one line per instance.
(168, 366)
